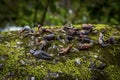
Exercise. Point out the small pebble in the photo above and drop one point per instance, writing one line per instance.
(60, 45)
(95, 56)
(22, 62)
(77, 61)
(41, 66)
(51, 54)
(95, 31)
(98, 51)
(32, 78)
(54, 46)
(18, 43)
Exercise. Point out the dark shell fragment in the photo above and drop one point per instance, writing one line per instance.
(111, 40)
(92, 65)
(40, 54)
(101, 66)
(84, 39)
(68, 38)
(49, 37)
(59, 37)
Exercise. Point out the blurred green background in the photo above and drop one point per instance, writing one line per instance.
(59, 12)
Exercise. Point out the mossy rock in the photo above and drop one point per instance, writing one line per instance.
(18, 64)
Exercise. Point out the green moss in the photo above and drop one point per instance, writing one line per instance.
(13, 53)
(114, 72)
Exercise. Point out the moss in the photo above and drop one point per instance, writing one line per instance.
(66, 67)
(114, 72)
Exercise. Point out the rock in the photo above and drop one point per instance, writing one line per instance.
(32, 78)
(60, 45)
(95, 56)
(95, 31)
(77, 61)
(18, 43)
(51, 55)
(22, 62)
(54, 46)
(41, 66)
(110, 40)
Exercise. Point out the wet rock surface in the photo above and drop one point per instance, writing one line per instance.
(68, 53)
